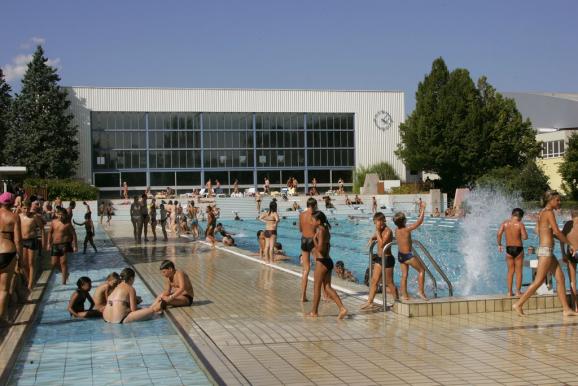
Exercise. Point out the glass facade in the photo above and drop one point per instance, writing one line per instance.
(185, 149)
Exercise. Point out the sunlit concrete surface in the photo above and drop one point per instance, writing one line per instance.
(248, 319)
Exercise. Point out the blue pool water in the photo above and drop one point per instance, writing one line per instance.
(63, 351)
(482, 271)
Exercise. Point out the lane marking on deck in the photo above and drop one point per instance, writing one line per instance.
(286, 270)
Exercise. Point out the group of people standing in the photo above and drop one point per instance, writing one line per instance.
(548, 232)
(170, 216)
(28, 227)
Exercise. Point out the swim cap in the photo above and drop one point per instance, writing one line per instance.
(6, 198)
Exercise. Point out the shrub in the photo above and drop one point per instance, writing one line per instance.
(66, 189)
(530, 181)
(384, 170)
(408, 189)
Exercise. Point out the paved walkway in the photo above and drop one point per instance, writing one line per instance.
(248, 321)
(64, 351)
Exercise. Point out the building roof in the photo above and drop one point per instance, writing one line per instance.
(547, 110)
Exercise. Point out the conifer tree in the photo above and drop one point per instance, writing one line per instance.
(5, 105)
(41, 135)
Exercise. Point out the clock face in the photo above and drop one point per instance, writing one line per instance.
(383, 120)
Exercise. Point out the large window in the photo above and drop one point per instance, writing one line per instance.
(551, 149)
(175, 148)
(280, 139)
(118, 140)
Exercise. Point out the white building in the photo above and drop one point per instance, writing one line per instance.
(161, 137)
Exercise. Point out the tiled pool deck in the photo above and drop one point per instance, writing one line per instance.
(248, 323)
(63, 351)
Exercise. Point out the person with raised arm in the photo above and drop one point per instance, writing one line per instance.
(405, 255)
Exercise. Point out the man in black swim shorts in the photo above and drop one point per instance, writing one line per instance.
(307, 229)
(515, 232)
(382, 236)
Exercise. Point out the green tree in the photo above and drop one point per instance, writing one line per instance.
(460, 130)
(529, 180)
(5, 105)
(41, 135)
(568, 169)
(384, 170)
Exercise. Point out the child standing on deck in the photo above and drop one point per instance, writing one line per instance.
(515, 233)
(405, 255)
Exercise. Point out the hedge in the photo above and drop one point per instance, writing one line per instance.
(66, 189)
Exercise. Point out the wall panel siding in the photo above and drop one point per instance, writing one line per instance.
(371, 144)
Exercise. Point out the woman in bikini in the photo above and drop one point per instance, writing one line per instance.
(323, 266)
(271, 219)
(211, 225)
(10, 244)
(121, 305)
(547, 228)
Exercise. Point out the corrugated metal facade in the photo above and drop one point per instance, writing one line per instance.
(371, 143)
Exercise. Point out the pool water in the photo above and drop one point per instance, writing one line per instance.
(444, 238)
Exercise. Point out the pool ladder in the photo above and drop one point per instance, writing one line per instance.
(426, 253)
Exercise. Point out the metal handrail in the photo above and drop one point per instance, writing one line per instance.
(416, 255)
(436, 266)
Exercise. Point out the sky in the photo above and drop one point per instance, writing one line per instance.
(520, 45)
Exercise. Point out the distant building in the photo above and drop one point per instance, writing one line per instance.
(161, 137)
(555, 118)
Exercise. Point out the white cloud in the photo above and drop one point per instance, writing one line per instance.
(16, 70)
(32, 42)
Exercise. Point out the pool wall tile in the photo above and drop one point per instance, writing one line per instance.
(481, 306)
(454, 308)
(463, 307)
(549, 302)
(532, 303)
(436, 309)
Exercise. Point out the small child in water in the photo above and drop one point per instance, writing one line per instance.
(79, 297)
(515, 233)
(405, 255)
(102, 291)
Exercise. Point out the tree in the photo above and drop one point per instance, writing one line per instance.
(41, 135)
(5, 105)
(460, 130)
(569, 168)
(530, 181)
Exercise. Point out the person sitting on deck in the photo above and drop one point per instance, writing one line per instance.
(228, 240)
(79, 297)
(178, 290)
(102, 291)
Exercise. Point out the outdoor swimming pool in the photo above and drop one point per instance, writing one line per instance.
(474, 268)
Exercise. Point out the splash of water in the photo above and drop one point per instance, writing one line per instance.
(486, 209)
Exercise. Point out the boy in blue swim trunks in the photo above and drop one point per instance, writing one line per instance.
(571, 257)
(405, 255)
